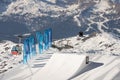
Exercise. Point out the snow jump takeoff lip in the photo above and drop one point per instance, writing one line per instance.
(62, 67)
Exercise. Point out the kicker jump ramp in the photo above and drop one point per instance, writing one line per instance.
(62, 67)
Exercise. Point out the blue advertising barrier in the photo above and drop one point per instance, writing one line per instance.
(47, 38)
(40, 41)
(32, 46)
(44, 42)
(29, 49)
(26, 50)
(50, 37)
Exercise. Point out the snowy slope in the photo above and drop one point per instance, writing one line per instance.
(7, 60)
(103, 51)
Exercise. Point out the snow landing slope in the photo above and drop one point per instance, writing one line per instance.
(61, 67)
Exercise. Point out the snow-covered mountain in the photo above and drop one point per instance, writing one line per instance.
(85, 15)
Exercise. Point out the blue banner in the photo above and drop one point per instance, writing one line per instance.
(44, 42)
(29, 49)
(50, 37)
(40, 41)
(46, 39)
(32, 46)
(26, 50)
